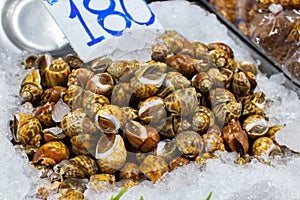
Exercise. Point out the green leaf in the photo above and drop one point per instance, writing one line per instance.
(141, 198)
(209, 196)
(120, 194)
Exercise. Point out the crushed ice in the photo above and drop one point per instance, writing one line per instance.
(224, 179)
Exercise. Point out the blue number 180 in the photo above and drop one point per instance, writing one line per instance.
(101, 16)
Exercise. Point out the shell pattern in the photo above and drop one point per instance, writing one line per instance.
(117, 123)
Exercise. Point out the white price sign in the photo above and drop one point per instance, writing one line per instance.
(96, 28)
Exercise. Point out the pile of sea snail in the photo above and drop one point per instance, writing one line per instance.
(121, 122)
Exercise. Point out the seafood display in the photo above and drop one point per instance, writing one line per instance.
(273, 25)
(121, 122)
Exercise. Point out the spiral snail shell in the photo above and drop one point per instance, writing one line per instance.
(76, 122)
(111, 154)
(31, 88)
(56, 73)
(27, 130)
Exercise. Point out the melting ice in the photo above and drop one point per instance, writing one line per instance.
(221, 177)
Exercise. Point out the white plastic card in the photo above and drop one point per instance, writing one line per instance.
(97, 28)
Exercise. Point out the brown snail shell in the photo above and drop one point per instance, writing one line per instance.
(225, 47)
(122, 95)
(73, 96)
(122, 69)
(204, 63)
(53, 134)
(254, 105)
(29, 62)
(256, 126)
(79, 77)
(152, 110)
(178, 162)
(232, 65)
(181, 123)
(73, 61)
(72, 194)
(214, 129)
(51, 153)
(141, 137)
(202, 119)
(220, 96)
(56, 73)
(76, 122)
(68, 170)
(200, 122)
(170, 151)
(31, 89)
(235, 137)
(173, 44)
(131, 171)
(159, 52)
(189, 143)
(26, 129)
(44, 114)
(109, 119)
(187, 49)
(173, 81)
(43, 61)
(202, 159)
(84, 144)
(273, 130)
(70, 184)
(182, 63)
(241, 86)
(202, 82)
(220, 77)
(53, 94)
(209, 113)
(78, 167)
(92, 103)
(154, 167)
(168, 129)
(247, 66)
(111, 154)
(103, 181)
(227, 111)
(200, 49)
(213, 142)
(99, 65)
(130, 113)
(101, 83)
(264, 146)
(148, 79)
(182, 102)
(219, 56)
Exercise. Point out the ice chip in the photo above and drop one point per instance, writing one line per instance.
(289, 136)
(277, 78)
(60, 110)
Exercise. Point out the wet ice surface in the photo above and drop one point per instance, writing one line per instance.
(221, 177)
(224, 179)
(17, 177)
